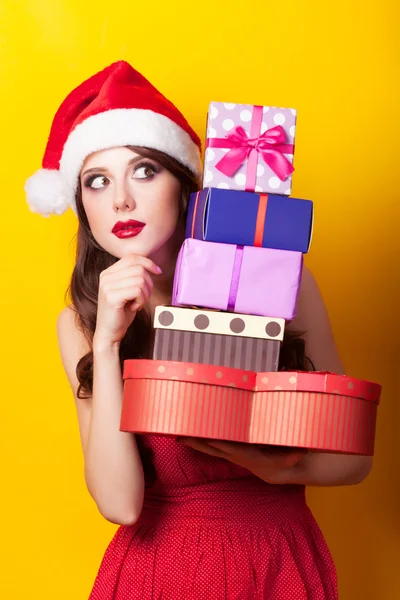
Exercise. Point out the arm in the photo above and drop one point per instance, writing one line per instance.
(299, 467)
(312, 318)
(113, 469)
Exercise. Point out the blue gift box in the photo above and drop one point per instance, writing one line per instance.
(250, 219)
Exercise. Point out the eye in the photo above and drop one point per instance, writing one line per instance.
(145, 171)
(97, 182)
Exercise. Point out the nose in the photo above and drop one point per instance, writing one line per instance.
(123, 198)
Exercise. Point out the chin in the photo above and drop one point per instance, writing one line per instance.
(130, 247)
(120, 248)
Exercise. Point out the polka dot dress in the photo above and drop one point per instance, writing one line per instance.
(209, 530)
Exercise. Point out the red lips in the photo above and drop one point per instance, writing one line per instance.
(124, 224)
(124, 229)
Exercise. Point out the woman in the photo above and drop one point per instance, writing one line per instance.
(199, 519)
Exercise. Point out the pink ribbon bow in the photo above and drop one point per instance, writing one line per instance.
(271, 145)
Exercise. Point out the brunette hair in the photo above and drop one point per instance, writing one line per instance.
(92, 259)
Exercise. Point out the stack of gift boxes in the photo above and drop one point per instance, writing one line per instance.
(215, 372)
(239, 270)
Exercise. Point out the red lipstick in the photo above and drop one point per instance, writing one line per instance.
(127, 229)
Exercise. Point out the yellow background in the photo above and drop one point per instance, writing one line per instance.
(338, 64)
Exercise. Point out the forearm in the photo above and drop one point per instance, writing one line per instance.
(113, 468)
(324, 469)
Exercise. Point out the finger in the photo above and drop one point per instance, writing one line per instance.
(148, 289)
(142, 280)
(281, 461)
(247, 454)
(132, 260)
(145, 282)
(138, 304)
(232, 448)
(292, 459)
(146, 285)
(134, 295)
(119, 298)
(244, 453)
(201, 446)
(281, 453)
(126, 273)
(273, 449)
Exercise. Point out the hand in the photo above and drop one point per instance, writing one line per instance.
(124, 288)
(273, 464)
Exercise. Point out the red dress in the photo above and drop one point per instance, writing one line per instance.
(210, 530)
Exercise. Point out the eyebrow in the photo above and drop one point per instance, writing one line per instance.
(98, 169)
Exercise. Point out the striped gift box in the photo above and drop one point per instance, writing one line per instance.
(319, 411)
(217, 338)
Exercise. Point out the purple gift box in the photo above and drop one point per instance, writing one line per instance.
(249, 148)
(243, 279)
(250, 219)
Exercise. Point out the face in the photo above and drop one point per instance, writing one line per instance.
(131, 202)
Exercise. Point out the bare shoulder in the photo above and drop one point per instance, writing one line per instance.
(72, 343)
(309, 297)
(309, 300)
(313, 321)
(308, 282)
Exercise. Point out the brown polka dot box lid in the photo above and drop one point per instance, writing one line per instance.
(222, 323)
(319, 411)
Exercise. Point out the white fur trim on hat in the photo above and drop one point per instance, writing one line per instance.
(47, 193)
(53, 191)
(124, 127)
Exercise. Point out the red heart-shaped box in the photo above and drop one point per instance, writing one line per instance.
(315, 410)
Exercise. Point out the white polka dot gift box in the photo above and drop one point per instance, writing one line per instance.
(250, 219)
(249, 148)
(319, 411)
(217, 338)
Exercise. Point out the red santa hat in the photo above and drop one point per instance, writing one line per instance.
(115, 107)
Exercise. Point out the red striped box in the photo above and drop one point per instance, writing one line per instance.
(319, 411)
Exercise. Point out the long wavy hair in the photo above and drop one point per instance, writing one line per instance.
(92, 259)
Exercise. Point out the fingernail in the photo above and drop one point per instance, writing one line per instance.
(159, 270)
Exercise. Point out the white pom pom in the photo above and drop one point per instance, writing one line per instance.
(47, 193)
